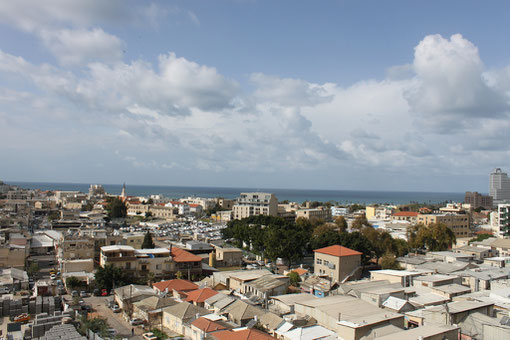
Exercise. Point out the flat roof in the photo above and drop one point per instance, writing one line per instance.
(425, 331)
(117, 247)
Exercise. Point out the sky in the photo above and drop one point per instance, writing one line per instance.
(356, 95)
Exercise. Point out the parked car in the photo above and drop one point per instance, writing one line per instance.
(136, 321)
(104, 292)
(116, 309)
(84, 294)
(86, 308)
(149, 336)
(97, 292)
(112, 332)
(22, 318)
(4, 290)
(74, 293)
(53, 276)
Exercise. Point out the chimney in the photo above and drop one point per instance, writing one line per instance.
(339, 316)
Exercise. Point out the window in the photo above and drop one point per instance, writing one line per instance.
(319, 261)
(158, 266)
(128, 265)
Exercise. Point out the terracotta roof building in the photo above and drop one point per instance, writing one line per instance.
(243, 334)
(177, 285)
(338, 262)
(198, 297)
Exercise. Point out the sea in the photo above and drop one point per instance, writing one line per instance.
(342, 197)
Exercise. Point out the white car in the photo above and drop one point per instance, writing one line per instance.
(149, 336)
(53, 276)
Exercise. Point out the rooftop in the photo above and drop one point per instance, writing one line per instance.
(337, 250)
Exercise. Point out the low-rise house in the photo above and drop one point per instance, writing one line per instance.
(235, 279)
(178, 317)
(436, 280)
(314, 332)
(241, 313)
(497, 261)
(481, 279)
(228, 257)
(352, 318)
(404, 277)
(451, 290)
(270, 322)
(409, 216)
(427, 332)
(428, 299)
(501, 246)
(170, 287)
(81, 265)
(318, 286)
(397, 305)
(13, 278)
(337, 262)
(454, 312)
(266, 286)
(125, 296)
(284, 304)
(219, 303)
(241, 334)
(481, 326)
(199, 296)
(475, 252)
(202, 328)
(151, 309)
(450, 256)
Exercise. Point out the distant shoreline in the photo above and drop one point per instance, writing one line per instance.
(295, 195)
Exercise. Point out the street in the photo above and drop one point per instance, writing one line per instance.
(115, 320)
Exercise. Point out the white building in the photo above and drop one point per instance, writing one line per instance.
(255, 203)
(499, 186)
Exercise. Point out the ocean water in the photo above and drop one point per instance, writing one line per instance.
(293, 195)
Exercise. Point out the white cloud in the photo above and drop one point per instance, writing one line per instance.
(181, 115)
(80, 47)
(451, 82)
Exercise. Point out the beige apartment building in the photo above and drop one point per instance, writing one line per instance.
(162, 262)
(75, 247)
(134, 240)
(337, 262)
(458, 223)
(318, 213)
(255, 203)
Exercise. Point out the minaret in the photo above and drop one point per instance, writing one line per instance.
(123, 194)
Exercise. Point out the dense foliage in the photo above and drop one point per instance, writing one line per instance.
(116, 208)
(148, 243)
(96, 325)
(434, 237)
(110, 277)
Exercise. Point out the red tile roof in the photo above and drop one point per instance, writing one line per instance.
(300, 271)
(406, 213)
(245, 334)
(177, 284)
(337, 250)
(207, 325)
(200, 295)
(181, 255)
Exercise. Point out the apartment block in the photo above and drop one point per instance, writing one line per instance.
(478, 200)
(255, 203)
(458, 223)
(318, 213)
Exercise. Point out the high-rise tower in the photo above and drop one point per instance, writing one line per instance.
(499, 186)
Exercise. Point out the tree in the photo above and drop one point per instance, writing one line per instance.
(294, 278)
(341, 223)
(88, 207)
(389, 261)
(434, 237)
(179, 275)
(360, 222)
(73, 282)
(111, 276)
(54, 215)
(148, 214)
(116, 208)
(96, 325)
(33, 269)
(147, 241)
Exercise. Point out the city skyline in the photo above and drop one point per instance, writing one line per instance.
(255, 94)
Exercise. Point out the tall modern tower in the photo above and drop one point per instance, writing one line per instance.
(499, 186)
